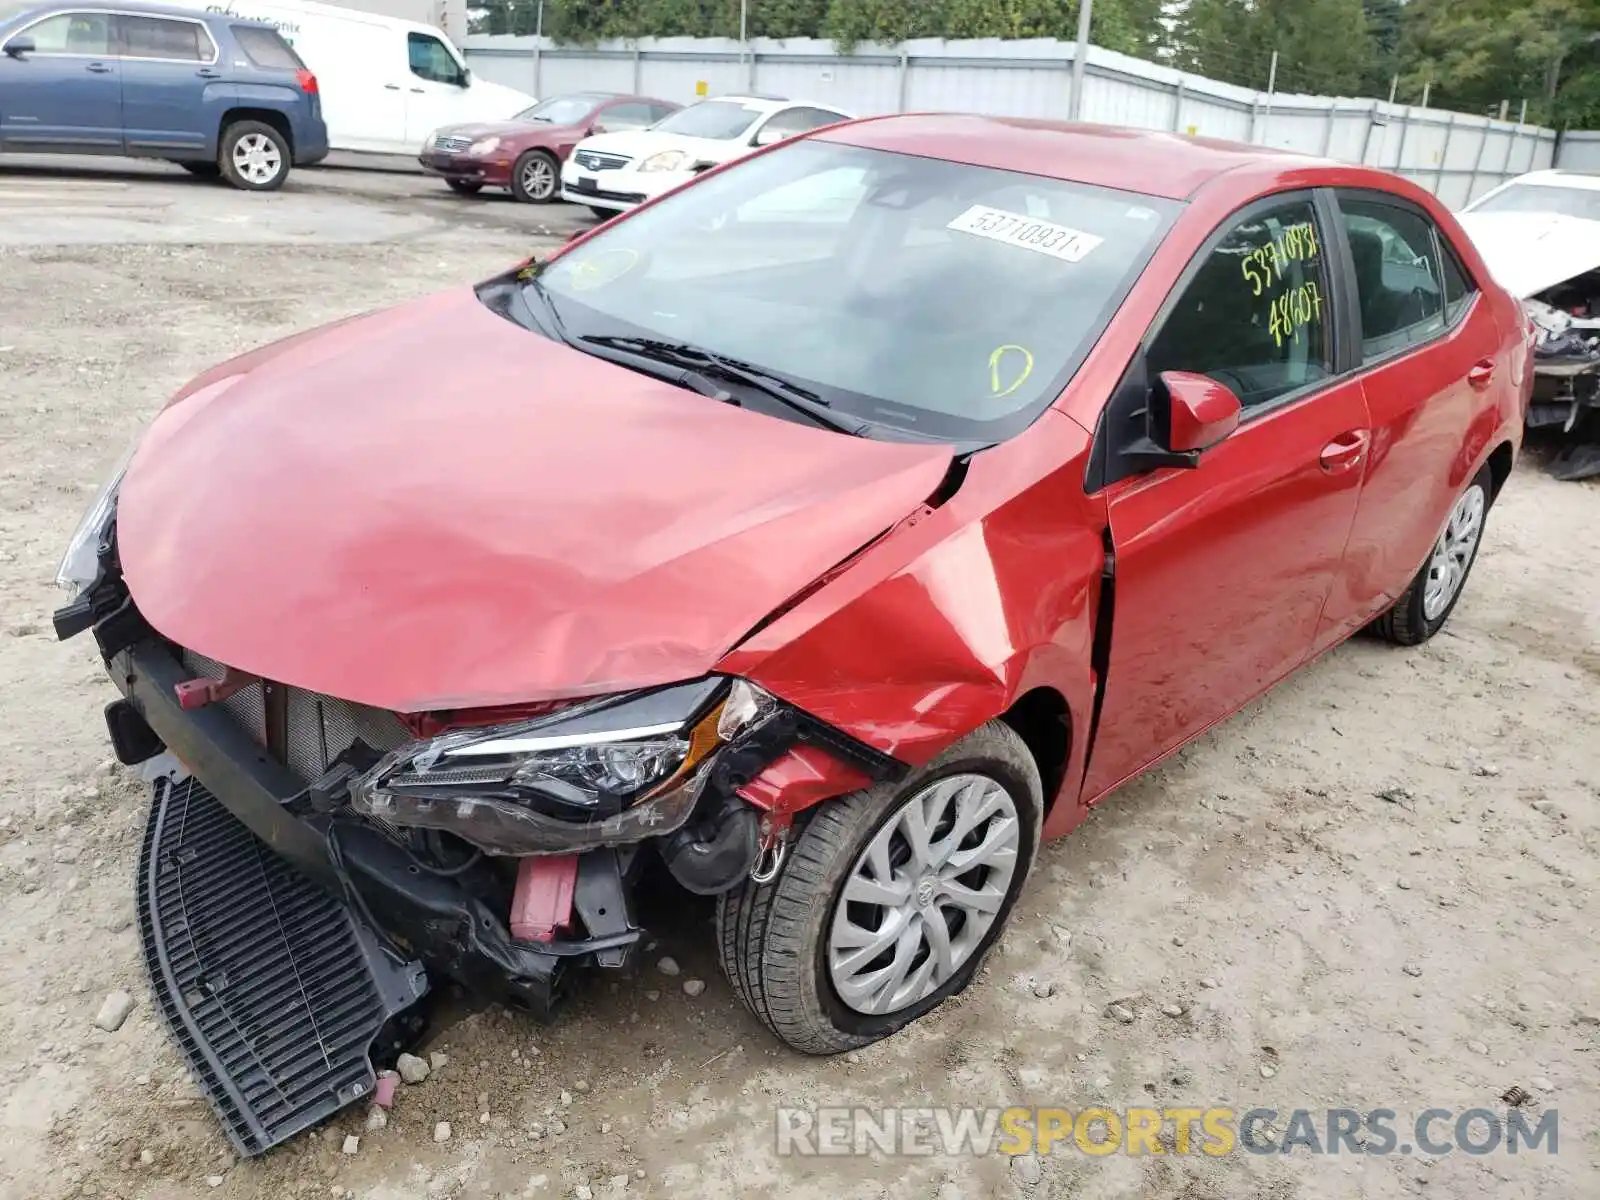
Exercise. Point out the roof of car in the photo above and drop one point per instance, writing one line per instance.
(1104, 155)
(133, 6)
(1577, 179)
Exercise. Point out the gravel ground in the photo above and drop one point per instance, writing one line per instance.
(1376, 887)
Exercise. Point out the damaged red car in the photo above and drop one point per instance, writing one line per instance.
(821, 535)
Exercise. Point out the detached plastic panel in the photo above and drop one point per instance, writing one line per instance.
(272, 990)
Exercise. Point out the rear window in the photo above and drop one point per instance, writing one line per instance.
(266, 48)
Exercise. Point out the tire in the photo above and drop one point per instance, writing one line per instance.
(202, 170)
(254, 156)
(536, 179)
(776, 939)
(464, 187)
(605, 214)
(1421, 611)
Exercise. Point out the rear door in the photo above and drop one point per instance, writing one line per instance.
(167, 64)
(1427, 348)
(65, 94)
(1222, 571)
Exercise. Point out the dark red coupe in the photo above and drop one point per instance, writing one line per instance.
(525, 153)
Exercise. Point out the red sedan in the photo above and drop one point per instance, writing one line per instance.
(825, 532)
(525, 153)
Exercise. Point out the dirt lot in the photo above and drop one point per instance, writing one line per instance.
(1428, 949)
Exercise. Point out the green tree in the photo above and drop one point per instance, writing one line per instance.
(1322, 45)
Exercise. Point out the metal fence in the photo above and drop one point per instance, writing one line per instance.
(1454, 155)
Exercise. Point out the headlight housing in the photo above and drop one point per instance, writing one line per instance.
(81, 562)
(483, 146)
(666, 160)
(604, 772)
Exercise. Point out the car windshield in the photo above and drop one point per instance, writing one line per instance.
(1543, 198)
(716, 119)
(561, 110)
(927, 297)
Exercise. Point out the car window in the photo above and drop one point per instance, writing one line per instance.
(1543, 198)
(1458, 291)
(266, 48)
(157, 37)
(560, 110)
(632, 114)
(792, 121)
(660, 112)
(431, 60)
(717, 119)
(1256, 314)
(73, 33)
(942, 299)
(1398, 278)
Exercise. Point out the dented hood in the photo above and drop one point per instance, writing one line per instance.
(1528, 252)
(431, 507)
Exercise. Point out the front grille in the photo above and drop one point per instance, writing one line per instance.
(317, 728)
(451, 143)
(261, 977)
(599, 160)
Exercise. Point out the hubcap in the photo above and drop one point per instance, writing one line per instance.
(1452, 555)
(256, 158)
(538, 178)
(924, 893)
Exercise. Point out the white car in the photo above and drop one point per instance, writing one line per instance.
(1537, 230)
(612, 172)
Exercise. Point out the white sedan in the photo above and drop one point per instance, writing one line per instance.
(612, 172)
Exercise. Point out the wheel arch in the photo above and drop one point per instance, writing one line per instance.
(267, 116)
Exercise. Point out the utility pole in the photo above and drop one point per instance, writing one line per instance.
(1427, 86)
(1272, 86)
(1394, 86)
(1075, 99)
(538, 48)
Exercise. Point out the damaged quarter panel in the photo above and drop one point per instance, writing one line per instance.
(948, 621)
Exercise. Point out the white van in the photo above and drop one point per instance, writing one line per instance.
(386, 84)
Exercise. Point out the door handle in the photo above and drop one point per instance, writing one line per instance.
(419, 91)
(393, 87)
(98, 69)
(1482, 372)
(208, 73)
(1345, 451)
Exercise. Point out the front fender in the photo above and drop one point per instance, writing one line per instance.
(947, 621)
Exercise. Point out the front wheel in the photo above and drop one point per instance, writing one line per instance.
(1431, 597)
(254, 156)
(889, 898)
(534, 179)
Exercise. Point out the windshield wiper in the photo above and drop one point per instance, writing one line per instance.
(769, 383)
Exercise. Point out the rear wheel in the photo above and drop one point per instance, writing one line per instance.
(889, 899)
(1427, 603)
(254, 156)
(464, 187)
(534, 179)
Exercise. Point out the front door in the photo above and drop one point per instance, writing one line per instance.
(1222, 571)
(167, 64)
(436, 89)
(65, 93)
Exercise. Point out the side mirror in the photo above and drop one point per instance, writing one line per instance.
(465, 79)
(1200, 411)
(18, 46)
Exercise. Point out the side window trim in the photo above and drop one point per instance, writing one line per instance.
(116, 41)
(1441, 248)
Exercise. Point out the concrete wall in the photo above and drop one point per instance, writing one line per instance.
(1456, 156)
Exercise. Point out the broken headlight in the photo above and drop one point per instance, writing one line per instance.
(599, 773)
(81, 562)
